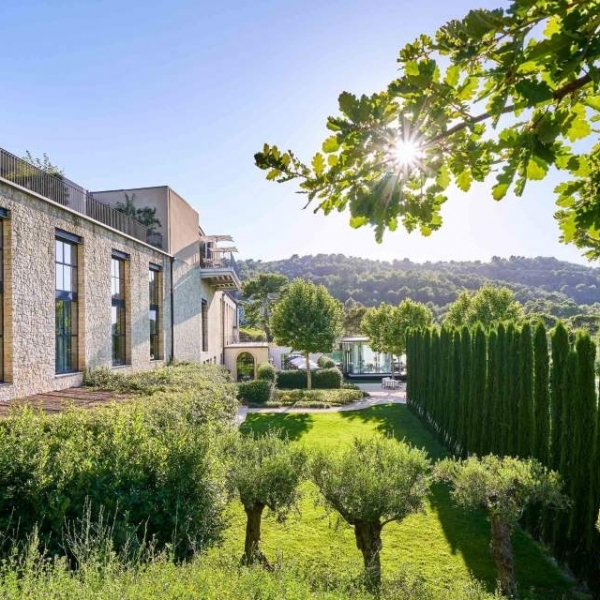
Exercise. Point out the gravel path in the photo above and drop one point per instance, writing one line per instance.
(376, 396)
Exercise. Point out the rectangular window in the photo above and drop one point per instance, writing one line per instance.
(154, 296)
(204, 326)
(118, 311)
(1, 300)
(66, 314)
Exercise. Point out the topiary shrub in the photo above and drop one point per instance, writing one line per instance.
(324, 379)
(328, 379)
(266, 371)
(325, 362)
(256, 392)
(291, 379)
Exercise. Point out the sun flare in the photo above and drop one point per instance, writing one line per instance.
(405, 153)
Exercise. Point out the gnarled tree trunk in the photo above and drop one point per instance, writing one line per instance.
(308, 373)
(252, 553)
(502, 552)
(368, 541)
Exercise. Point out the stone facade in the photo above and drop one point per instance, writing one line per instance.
(29, 294)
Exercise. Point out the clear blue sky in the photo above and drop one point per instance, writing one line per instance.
(182, 92)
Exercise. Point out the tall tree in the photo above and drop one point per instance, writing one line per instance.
(488, 306)
(307, 319)
(386, 325)
(525, 399)
(259, 296)
(541, 395)
(376, 482)
(392, 155)
(503, 488)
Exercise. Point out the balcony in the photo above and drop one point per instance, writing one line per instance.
(67, 193)
(217, 265)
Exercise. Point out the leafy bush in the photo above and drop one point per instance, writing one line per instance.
(266, 371)
(152, 466)
(328, 379)
(256, 392)
(204, 390)
(315, 398)
(252, 334)
(325, 362)
(321, 379)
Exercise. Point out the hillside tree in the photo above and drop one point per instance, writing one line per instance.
(259, 297)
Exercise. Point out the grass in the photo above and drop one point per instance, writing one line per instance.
(445, 544)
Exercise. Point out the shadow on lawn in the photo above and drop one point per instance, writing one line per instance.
(293, 425)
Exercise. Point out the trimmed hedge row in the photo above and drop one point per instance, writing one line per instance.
(498, 392)
(324, 379)
(258, 391)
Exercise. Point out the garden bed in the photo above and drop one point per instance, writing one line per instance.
(311, 398)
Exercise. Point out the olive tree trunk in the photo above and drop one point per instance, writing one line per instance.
(502, 552)
(308, 373)
(252, 553)
(368, 541)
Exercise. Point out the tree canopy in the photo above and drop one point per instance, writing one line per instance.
(504, 93)
(307, 319)
(260, 294)
(488, 306)
(386, 325)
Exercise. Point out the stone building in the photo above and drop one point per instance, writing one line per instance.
(84, 285)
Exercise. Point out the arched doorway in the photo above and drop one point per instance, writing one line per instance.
(245, 366)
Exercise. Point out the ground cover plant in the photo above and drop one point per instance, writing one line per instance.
(315, 398)
(445, 545)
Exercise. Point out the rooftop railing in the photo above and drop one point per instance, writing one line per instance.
(57, 188)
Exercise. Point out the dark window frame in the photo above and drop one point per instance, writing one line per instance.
(66, 305)
(204, 315)
(119, 323)
(154, 306)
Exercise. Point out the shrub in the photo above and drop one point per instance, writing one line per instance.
(256, 392)
(152, 473)
(328, 379)
(266, 371)
(321, 379)
(251, 334)
(325, 362)
(315, 398)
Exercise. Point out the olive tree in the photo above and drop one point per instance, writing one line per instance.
(309, 319)
(265, 471)
(503, 488)
(372, 483)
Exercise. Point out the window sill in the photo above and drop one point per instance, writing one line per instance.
(63, 375)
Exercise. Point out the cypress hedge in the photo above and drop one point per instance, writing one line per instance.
(498, 391)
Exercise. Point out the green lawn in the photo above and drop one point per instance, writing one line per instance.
(445, 544)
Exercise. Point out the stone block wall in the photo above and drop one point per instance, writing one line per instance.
(29, 295)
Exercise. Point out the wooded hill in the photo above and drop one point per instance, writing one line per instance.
(543, 285)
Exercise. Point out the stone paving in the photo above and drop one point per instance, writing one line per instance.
(377, 395)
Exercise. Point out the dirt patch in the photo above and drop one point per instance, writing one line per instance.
(54, 402)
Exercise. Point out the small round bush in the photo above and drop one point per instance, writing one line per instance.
(266, 371)
(325, 362)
